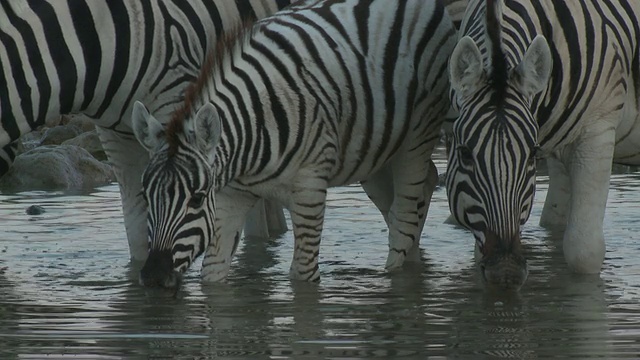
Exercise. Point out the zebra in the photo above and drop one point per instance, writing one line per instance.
(325, 94)
(456, 10)
(61, 57)
(541, 79)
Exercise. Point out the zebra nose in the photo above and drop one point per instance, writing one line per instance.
(158, 271)
(503, 266)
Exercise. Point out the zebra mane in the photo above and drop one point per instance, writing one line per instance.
(499, 73)
(194, 93)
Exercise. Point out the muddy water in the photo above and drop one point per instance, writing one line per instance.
(67, 290)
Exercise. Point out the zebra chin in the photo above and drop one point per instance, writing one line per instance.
(158, 271)
(502, 266)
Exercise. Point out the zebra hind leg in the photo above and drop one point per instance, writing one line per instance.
(379, 188)
(423, 208)
(412, 181)
(232, 207)
(308, 203)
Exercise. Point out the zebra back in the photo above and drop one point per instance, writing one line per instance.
(94, 57)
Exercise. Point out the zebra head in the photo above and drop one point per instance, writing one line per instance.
(178, 185)
(492, 158)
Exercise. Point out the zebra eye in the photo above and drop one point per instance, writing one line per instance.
(196, 200)
(466, 156)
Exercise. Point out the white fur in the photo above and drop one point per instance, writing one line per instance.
(146, 128)
(589, 165)
(466, 70)
(205, 128)
(534, 71)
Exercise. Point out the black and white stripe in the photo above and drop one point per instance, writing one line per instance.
(553, 79)
(325, 94)
(95, 57)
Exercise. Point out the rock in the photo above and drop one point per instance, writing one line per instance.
(59, 134)
(30, 140)
(35, 210)
(56, 168)
(90, 142)
(54, 121)
(80, 121)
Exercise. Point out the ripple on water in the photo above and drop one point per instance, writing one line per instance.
(67, 289)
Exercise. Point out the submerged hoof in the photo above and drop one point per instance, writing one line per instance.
(312, 275)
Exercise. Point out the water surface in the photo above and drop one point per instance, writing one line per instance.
(67, 290)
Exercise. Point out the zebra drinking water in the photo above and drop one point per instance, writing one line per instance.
(541, 78)
(331, 93)
(94, 57)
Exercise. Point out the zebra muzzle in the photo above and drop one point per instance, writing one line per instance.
(158, 271)
(503, 265)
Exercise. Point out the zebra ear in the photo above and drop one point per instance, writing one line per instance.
(146, 128)
(533, 72)
(207, 129)
(466, 69)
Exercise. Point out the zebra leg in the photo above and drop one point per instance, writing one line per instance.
(590, 170)
(7, 155)
(129, 160)
(232, 207)
(423, 209)
(409, 207)
(556, 204)
(265, 220)
(379, 188)
(308, 203)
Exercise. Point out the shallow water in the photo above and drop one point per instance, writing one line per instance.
(67, 290)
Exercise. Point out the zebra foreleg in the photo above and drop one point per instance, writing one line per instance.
(590, 170)
(556, 204)
(232, 207)
(128, 160)
(308, 203)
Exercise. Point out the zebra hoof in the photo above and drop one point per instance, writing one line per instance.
(304, 275)
(395, 259)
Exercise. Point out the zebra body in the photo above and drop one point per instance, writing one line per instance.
(94, 58)
(456, 10)
(325, 94)
(553, 79)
